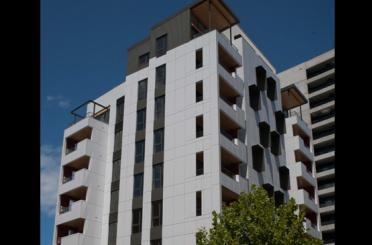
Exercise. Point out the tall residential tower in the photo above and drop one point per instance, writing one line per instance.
(316, 80)
(197, 120)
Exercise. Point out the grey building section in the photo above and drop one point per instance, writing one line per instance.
(182, 27)
(316, 79)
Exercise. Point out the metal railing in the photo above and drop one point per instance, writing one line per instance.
(94, 113)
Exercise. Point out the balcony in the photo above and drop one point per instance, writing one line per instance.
(76, 180)
(300, 127)
(302, 172)
(228, 54)
(228, 196)
(233, 182)
(302, 152)
(302, 197)
(74, 211)
(230, 81)
(233, 112)
(311, 229)
(323, 107)
(80, 149)
(234, 146)
(74, 239)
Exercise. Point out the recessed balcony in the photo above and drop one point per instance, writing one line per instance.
(302, 152)
(74, 180)
(230, 83)
(232, 112)
(74, 239)
(234, 146)
(302, 197)
(71, 233)
(311, 229)
(303, 173)
(73, 211)
(82, 149)
(235, 183)
(228, 196)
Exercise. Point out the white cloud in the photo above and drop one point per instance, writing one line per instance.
(49, 174)
(59, 100)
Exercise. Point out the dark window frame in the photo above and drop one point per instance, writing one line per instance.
(161, 45)
(141, 125)
(159, 146)
(138, 185)
(137, 226)
(140, 157)
(157, 181)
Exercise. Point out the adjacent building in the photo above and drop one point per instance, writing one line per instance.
(198, 120)
(315, 79)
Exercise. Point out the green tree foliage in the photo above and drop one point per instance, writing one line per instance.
(254, 220)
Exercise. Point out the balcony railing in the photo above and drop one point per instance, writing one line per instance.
(67, 179)
(71, 149)
(89, 109)
(64, 209)
(228, 172)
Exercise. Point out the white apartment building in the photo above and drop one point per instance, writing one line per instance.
(316, 81)
(197, 120)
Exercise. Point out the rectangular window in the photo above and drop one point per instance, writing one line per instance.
(271, 89)
(199, 126)
(119, 110)
(138, 185)
(161, 45)
(137, 220)
(198, 203)
(114, 201)
(199, 58)
(157, 176)
(199, 163)
(159, 140)
(157, 213)
(140, 151)
(160, 76)
(112, 233)
(118, 141)
(159, 108)
(199, 91)
(142, 89)
(156, 242)
(143, 60)
(116, 170)
(141, 119)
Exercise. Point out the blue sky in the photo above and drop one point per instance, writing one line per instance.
(83, 55)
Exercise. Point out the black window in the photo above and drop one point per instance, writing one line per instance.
(141, 119)
(254, 97)
(159, 140)
(157, 176)
(198, 203)
(143, 60)
(275, 143)
(156, 242)
(284, 178)
(118, 141)
(157, 213)
(119, 110)
(261, 77)
(142, 89)
(160, 76)
(114, 201)
(199, 91)
(258, 158)
(138, 185)
(137, 220)
(116, 170)
(112, 233)
(271, 89)
(159, 108)
(161, 45)
(199, 58)
(199, 126)
(140, 151)
(199, 163)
